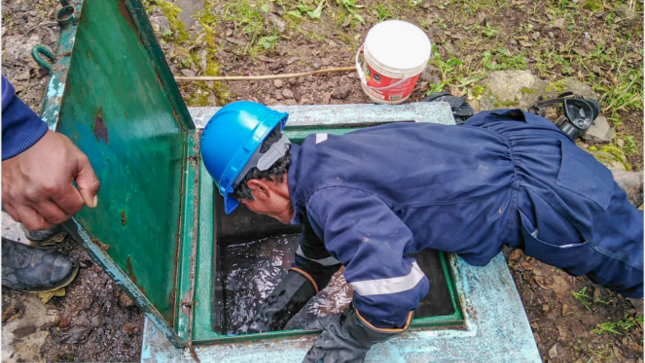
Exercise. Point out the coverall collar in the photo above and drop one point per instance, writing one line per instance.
(292, 180)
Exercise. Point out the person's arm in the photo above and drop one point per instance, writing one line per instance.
(21, 127)
(366, 236)
(313, 259)
(39, 168)
(311, 272)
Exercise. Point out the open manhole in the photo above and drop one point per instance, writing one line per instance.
(253, 253)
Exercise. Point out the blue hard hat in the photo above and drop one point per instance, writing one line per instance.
(229, 140)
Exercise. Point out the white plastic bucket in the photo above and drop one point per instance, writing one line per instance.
(395, 52)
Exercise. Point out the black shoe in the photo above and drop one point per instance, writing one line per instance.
(45, 237)
(31, 269)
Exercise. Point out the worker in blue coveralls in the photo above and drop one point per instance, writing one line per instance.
(369, 199)
(39, 168)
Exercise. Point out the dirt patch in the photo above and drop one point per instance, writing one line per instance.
(583, 321)
(94, 322)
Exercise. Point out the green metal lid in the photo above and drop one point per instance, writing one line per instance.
(116, 98)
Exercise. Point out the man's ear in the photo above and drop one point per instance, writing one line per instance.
(259, 188)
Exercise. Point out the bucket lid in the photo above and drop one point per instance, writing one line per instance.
(396, 45)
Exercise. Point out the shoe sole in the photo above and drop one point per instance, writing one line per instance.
(63, 284)
(49, 242)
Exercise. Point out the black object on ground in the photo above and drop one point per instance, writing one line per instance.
(579, 113)
(461, 110)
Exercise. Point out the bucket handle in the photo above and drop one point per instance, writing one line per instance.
(361, 74)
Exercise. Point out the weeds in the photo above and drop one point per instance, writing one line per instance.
(618, 327)
(601, 355)
(490, 31)
(382, 13)
(350, 6)
(177, 31)
(585, 299)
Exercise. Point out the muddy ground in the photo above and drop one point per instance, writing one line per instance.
(593, 41)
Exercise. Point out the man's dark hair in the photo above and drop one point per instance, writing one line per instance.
(274, 173)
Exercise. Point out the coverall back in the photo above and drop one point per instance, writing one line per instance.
(369, 199)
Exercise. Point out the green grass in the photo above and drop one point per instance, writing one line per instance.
(601, 355)
(382, 12)
(585, 299)
(619, 327)
(630, 145)
(247, 21)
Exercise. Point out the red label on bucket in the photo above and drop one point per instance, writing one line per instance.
(396, 93)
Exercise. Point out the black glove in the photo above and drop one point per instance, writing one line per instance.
(291, 294)
(346, 338)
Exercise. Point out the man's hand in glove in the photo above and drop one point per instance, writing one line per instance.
(291, 294)
(346, 338)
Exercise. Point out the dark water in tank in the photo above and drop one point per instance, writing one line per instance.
(251, 270)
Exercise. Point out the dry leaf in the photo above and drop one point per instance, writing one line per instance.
(65, 320)
(236, 41)
(541, 281)
(266, 59)
(515, 255)
(45, 296)
(580, 51)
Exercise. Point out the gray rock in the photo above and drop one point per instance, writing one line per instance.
(521, 89)
(553, 352)
(188, 10)
(599, 133)
(293, 81)
(161, 24)
(430, 74)
(287, 93)
(511, 89)
(17, 47)
(203, 59)
(277, 83)
(188, 72)
(450, 49)
(631, 183)
(279, 24)
(342, 92)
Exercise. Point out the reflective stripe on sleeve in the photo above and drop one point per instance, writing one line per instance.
(391, 285)
(327, 261)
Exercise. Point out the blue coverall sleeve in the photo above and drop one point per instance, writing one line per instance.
(313, 259)
(21, 127)
(365, 235)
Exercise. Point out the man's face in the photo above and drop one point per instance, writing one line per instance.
(268, 209)
(270, 199)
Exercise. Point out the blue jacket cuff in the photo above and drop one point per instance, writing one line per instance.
(21, 127)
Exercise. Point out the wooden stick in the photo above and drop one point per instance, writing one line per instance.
(272, 76)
